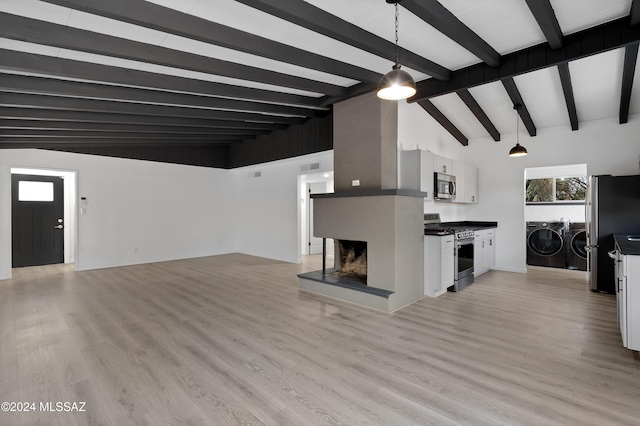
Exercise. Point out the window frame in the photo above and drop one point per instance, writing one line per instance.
(554, 201)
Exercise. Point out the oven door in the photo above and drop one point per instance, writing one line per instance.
(464, 263)
(445, 187)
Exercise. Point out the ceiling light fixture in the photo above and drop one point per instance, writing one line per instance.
(396, 84)
(518, 150)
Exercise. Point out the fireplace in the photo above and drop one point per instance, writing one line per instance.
(379, 253)
(351, 261)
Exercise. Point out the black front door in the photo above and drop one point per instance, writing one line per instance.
(37, 207)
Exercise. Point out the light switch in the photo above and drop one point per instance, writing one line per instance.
(355, 182)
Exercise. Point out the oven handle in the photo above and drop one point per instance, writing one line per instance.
(464, 241)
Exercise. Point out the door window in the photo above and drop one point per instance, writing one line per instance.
(35, 191)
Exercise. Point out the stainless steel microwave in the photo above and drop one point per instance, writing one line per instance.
(445, 187)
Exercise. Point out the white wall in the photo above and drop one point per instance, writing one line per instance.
(137, 211)
(604, 145)
(268, 207)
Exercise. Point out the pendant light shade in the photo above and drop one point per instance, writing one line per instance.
(396, 84)
(518, 150)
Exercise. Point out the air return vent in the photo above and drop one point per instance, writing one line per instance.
(307, 167)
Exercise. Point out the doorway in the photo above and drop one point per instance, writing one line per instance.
(316, 183)
(43, 219)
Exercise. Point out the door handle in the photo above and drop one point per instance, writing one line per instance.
(58, 227)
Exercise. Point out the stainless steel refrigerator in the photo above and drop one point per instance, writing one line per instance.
(612, 206)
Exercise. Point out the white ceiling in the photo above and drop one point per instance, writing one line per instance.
(507, 26)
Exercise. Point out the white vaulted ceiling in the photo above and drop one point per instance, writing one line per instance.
(344, 68)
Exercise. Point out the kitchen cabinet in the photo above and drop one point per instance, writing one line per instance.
(442, 164)
(458, 171)
(439, 265)
(628, 298)
(471, 186)
(484, 251)
(416, 171)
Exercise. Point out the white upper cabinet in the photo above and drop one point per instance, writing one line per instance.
(416, 171)
(458, 171)
(471, 186)
(442, 164)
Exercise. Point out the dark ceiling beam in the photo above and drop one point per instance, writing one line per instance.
(444, 121)
(119, 119)
(511, 88)
(546, 18)
(635, 12)
(67, 68)
(149, 15)
(66, 103)
(105, 134)
(50, 86)
(43, 142)
(352, 92)
(120, 127)
(628, 71)
(482, 117)
(306, 15)
(34, 31)
(439, 17)
(602, 38)
(567, 88)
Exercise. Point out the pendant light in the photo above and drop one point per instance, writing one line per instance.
(518, 150)
(396, 84)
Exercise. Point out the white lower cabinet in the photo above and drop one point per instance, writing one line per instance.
(484, 251)
(628, 298)
(439, 265)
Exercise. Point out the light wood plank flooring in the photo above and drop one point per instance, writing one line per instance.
(231, 340)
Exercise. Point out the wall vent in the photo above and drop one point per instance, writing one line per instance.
(307, 167)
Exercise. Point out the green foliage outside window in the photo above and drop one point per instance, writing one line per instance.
(539, 190)
(550, 190)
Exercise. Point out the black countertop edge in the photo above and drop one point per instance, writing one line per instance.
(471, 224)
(628, 247)
(372, 193)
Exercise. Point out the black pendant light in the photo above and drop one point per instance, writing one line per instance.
(396, 84)
(518, 150)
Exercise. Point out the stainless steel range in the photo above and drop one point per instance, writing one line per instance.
(463, 240)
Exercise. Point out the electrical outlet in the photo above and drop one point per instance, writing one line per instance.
(355, 182)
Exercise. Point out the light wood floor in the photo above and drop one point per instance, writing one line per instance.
(231, 340)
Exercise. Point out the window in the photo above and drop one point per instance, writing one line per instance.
(568, 190)
(35, 191)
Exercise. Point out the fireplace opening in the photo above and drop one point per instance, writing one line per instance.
(351, 261)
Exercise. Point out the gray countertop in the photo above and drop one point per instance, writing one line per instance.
(629, 243)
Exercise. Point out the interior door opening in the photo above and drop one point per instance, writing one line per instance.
(43, 219)
(316, 183)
